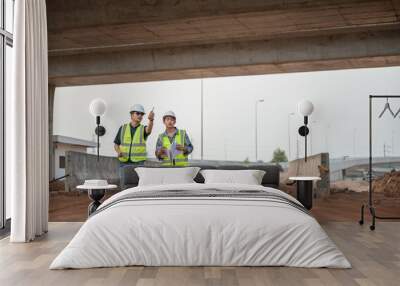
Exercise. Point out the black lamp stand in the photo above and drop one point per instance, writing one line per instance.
(100, 131)
(304, 131)
(98, 137)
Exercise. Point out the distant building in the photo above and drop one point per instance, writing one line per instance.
(62, 144)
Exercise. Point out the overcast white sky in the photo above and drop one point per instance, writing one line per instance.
(338, 125)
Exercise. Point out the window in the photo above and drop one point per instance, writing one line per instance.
(6, 62)
(62, 162)
(9, 13)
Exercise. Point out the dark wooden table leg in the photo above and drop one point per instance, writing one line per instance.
(305, 193)
(95, 196)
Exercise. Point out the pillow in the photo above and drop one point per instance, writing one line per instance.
(166, 176)
(248, 177)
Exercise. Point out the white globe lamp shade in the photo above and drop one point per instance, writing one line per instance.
(305, 108)
(97, 107)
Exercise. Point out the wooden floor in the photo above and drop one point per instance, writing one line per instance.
(375, 257)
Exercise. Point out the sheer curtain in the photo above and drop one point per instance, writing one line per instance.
(29, 120)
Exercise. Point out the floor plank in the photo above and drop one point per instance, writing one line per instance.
(375, 257)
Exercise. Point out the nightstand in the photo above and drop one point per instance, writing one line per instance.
(305, 190)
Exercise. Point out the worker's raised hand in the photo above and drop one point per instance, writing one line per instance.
(151, 115)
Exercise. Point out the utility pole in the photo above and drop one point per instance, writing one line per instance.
(386, 149)
(225, 150)
(256, 128)
(311, 137)
(354, 141)
(393, 143)
(328, 126)
(289, 141)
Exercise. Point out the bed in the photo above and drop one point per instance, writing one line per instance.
(201, 225)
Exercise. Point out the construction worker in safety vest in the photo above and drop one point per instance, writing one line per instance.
(130, 142)
(173, 145)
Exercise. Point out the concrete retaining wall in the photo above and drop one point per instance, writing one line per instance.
(316, 166)
(83, 166)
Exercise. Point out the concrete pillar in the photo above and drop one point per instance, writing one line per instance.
(323, 186)
(344, 173)
(51, 92)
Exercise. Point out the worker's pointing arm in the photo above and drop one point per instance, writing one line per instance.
(149, 126)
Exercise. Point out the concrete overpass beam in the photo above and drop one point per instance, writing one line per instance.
(356, 50)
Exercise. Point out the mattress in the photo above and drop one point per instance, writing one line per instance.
(201, 225)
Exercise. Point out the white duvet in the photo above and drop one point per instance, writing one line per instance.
(193, 231)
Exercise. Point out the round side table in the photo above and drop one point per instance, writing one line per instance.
(305, 190)
(95, 194)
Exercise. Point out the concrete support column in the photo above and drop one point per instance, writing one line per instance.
(51, 92)
(323, 186)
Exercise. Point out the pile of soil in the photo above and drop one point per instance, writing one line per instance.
(389, 184)
(349, 186)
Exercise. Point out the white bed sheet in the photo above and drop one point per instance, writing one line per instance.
(200, 232)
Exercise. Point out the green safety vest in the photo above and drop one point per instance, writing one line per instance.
(132, 148)
(180, 159)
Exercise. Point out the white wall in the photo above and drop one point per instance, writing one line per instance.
(339, 123)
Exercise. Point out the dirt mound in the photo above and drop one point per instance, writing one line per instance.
(389, 184)
(348, 185)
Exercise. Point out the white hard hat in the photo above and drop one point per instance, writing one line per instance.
(169, 113)
(137, 108)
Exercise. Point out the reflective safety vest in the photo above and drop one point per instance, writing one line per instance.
(132, 148)
(180, 159)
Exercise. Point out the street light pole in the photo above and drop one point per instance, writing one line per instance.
(290, 114)
(328, 126)
(256, 127)
(354, 141)
(392, 142)
(311, 138)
